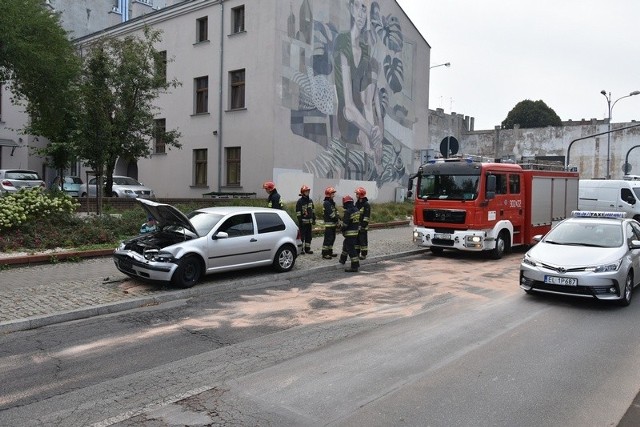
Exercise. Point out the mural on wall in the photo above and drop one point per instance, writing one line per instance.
(347, 79)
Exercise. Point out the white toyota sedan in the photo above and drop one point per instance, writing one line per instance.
(186, 247)
(592, 254)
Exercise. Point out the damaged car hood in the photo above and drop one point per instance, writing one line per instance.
(167, 215)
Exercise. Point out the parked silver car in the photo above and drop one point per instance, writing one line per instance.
(208, 240)
(123, 186)
(591, 254)
(12, 180)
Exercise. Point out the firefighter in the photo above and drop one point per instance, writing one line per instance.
(362, 204)
(273, 201)
(350, 227)
(306, 218)
(331, 219)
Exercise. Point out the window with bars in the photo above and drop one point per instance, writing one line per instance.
(232, 155)
(200, 167)
(201, 85)
(160, 127)
(202, 29)
(237, 83)
(237, 19)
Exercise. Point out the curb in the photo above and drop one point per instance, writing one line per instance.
(261, 282)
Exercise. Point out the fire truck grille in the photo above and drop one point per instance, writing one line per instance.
(443, 215)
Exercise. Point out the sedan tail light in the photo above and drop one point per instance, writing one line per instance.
(7, 183)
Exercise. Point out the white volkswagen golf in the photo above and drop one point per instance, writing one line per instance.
(208, 240)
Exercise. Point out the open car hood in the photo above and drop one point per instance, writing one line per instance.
(166, 215)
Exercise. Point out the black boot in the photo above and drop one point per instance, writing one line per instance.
(351, 269)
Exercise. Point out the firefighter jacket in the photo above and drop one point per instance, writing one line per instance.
(274, 200)
(365, 213)
(330, 212)
(351, 220)
(305, 211)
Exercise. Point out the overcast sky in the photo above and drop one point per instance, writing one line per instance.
(563, 52)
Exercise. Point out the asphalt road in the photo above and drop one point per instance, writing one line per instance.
(418, 340)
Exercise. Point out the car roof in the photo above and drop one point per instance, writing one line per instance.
(226, 210)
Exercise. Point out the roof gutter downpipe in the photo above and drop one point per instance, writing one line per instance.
(220, 92)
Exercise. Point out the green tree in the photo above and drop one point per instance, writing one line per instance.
(531, 114)
(121, 80)
(39, 64)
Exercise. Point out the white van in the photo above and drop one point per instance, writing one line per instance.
(610, 195)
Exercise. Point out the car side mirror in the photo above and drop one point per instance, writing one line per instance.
(635, 244)
(631, 200)
(220, 235)
(537, 238)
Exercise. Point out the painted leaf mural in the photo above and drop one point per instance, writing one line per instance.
(394, 73)
(388, 29)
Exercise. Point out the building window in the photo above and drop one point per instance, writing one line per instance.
(160, 63)
(236, 79)
(237, 18)
(202, 94)
(200, 167)
(232, 155)
(159, 129)
(202, 32)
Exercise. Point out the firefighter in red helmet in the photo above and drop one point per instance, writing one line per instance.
(362, 204)
(331, 219)
(306, 218)
(273, 201)
(350, 228)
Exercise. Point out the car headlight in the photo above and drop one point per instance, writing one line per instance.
(606, 268)
(529, 261)
(127, 191)
(158, 256)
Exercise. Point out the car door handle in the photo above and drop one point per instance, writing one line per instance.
(253, 240)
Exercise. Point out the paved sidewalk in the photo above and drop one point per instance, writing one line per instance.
(39, 295)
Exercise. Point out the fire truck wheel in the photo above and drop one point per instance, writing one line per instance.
(501, 246)
(436, 251)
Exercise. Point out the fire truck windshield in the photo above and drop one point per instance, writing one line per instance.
(450, 187)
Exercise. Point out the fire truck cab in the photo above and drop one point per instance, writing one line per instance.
(472, 205)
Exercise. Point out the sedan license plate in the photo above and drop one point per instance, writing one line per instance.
(443, 236)
(563, 281)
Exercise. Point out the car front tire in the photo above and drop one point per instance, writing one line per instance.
(188, 272)
(627, 292)
(285, 258)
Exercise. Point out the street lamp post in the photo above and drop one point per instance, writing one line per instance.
(610, 106)
(446, 64)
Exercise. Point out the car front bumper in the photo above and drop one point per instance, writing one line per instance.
(135, 265)
(603, 286)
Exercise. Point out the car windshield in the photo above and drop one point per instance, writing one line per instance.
(203, 222)
(125, 180)
(586, 233)
(72, 180)
(451, 187)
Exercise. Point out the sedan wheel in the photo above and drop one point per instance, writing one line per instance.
(625, 299)
(188, 272)
(285, 258)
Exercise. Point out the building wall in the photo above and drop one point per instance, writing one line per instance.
(289, 130)
(572, 143)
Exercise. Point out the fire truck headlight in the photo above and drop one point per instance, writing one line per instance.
(474, 239)
(417, 236)
(473, 242)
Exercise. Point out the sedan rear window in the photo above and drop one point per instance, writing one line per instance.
(269, 222)
(22, 175)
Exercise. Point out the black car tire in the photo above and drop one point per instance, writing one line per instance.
(625, 298)
(188, 272)
(285, 258)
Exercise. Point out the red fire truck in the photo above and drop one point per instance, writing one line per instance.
(473, 205)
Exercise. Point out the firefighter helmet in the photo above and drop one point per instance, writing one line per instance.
(304, 188)
(329, 191)
(361, 192)
(346, 199)
(269, 186)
